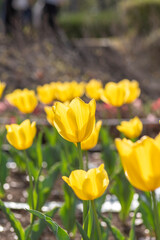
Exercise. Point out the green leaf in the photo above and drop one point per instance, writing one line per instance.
(56, 229)
(40, 225)
(124, 192)
(14, 222)
(68, 210)
(132, 235)
(82, 232)
(39, 150)
(145, 208)
(4, 172)
(115, 232)
(51, 155)
(46, 185)
(109, 155)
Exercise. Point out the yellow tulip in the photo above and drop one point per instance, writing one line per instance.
(77, 89)
(46, 93)
(21, 136)
(69, 90)
(131, 129)
(133, 87)
(93, 138)
(50, 115)
(88, 185)
(141, 162)
(63, 92)
(114, 94)
(2, 87)
(93, 89)
(25, 100)
(75, 121)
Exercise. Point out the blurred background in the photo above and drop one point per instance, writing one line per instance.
(50, 40)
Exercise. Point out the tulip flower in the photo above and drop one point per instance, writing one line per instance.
(50, 115)
(88, 185)
(92, 140)
(75, 121)
(93, 89)
(69, 90)
(25, 100)
(131, 129)
(133, 87)
(141, 161)
(2, 87)
(114, 94)
(21, 136)
(46, 93)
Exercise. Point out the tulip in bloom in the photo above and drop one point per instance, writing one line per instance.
(25, 100)
(75, 121)
(133, 87)
(131, 129)
(21, 136)
(114, 94)
(69, 90)
(141, 162)
(50, 115)
(46, 93)
(2, 87)
(93, 89)
(88, 185)
(93, 138)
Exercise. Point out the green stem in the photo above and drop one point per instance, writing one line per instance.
(30, 178)
(80, 156)
(119, 114)
(31, 190)
(156, 215)
(37, 189)
(85, 212)
(86, 153)
(96, 220)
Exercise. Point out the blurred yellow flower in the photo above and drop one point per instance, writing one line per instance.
(133, 87)
(75, 121)
(2, 87)
(46, 93)
(141, 162)
(93, 88)
(21, 136)
(115, 94)
(67, 91)
(131, 129)
(92, 140)
(88, 185)
(50, 115)
(25, 100)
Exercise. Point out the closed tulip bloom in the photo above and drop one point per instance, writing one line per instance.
(21, 136)
(133, 87)
(77, 89)
(50, 115)
(2, 87)
(63, 92)
(75, 121)
(46, 93)
(131, 129)
(25, 100)
(93, 89)
(141, 162)
(92, 140)
(114, 94)
(88, 185)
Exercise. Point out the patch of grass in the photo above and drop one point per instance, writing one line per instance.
(84, 24)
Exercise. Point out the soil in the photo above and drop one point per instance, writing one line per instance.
(35, 59)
